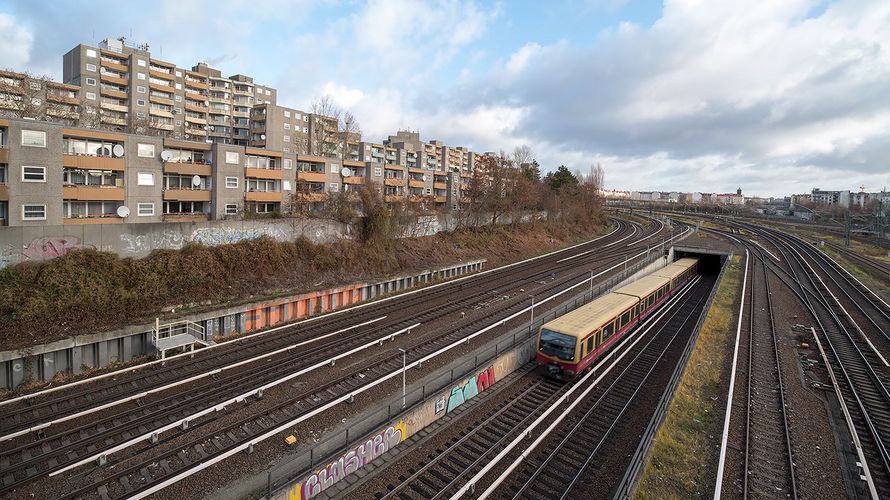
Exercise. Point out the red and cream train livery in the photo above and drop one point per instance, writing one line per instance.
(572, 342)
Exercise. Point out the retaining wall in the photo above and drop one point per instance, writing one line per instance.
(74, 355)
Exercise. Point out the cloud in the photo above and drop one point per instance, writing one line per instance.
(15, 43)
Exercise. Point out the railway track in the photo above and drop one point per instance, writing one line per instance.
(766, 466)
(35, 460)
(858, 366)
(471, 448)
(876, 268)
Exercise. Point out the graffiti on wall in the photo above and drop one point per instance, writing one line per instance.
(43, 248)
(463, 392)
(348, 463)
(166, 239)
(213, 236)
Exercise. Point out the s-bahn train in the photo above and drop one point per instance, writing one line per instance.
(572, 342)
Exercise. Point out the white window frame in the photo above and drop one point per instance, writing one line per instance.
(91, 67)
(287, 164)
(287, 126)
(145, 179)
(145, 150)
(335, 168)
(24, 206)
(140, 76)
(286, 185)
(91, 81)
(232, 157)
(140, 102)
(35, 85)
(140, 62)
(233, 206)
(42, 171)
(140, 89)
(286, 114)
(91, 95)
(333, 187)
(178, 74)
(140, 114)
(42, 133)
(91, 53)
(378, 171)
(231, 183)
(140, 206)
(286, 138)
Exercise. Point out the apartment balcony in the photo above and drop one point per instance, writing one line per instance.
(113, 93)
(4, 192)
(312, 176)
(62, 99)
(263, 196)
(241, 114)
(160, 112)
(246, 92)
(4, 154)
(353, 180)
(196, 131)
(197, 85)
(414, 170)
(117, 56)
(416, 183)
(393, 182)
(218, 133)
(89, 162)
(263, 173)
(186, 195)
(113, 121)
(114, 66)
(185, 168)
(196, 108)
(160, 100)
(394, 167)
(222, 100)
(194, 217)
(107, 78)
(441, 199)
(440, 185)
(393, 198)
(160, 74)
(63, 113)
(93, 193)
(114, 107)
(161, 126)
(192, 119)
(161, 88)
(93, 219)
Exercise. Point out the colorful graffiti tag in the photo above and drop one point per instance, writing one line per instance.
(461, 393)
(41, 249)
(353, 460)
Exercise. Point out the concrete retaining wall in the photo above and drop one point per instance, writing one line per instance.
(74, 355)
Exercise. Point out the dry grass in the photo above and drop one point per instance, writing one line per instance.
(89, 291)
(685, 447)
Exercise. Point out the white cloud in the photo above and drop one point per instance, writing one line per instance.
(15, 43)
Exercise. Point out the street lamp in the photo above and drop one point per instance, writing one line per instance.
(404, 359)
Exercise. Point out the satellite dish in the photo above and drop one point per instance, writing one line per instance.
(166, 155)
(103, 151)
(196, 180)
(346, 171)
(263, 137)
(118, 151)
(102, 70)
(123, 212)
(207, 103)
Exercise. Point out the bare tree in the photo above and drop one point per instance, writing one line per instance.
(523, 155)
(333, 128)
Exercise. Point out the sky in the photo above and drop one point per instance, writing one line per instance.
(774, 97)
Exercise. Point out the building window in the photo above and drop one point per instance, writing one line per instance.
(140, 115)
(91, 53)
(178, 123)
(140, 102)
(286, 115)
(286, 150)
(178, 86)
(231, 208)
(91, 67)
(145, 179)
(335, 168)
(35, 85)
(140, 76)
(146, 150)
(33, 212)
(287, 126)
(305, 130)
(334, 187)
(91, 96)
(231, 182)
(140, 89)
(178, 74)
(33, 138)
(140, 62)
(268, 93)
(287, 164)
(286, 185)
(145, 209)
(91, 81)
(378, 171)
(428, 191)
(33, 174)
(232, 158)
(286, 138)
(179, 98)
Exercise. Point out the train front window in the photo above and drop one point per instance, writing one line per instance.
(557, 345)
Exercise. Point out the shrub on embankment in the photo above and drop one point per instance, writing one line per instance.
(87, 291)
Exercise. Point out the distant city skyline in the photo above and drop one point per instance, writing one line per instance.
(772, 97)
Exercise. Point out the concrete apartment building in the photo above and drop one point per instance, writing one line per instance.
(131, 133)
(128, 89)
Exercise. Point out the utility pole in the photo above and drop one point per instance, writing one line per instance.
(404, 356)
(847, 224)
